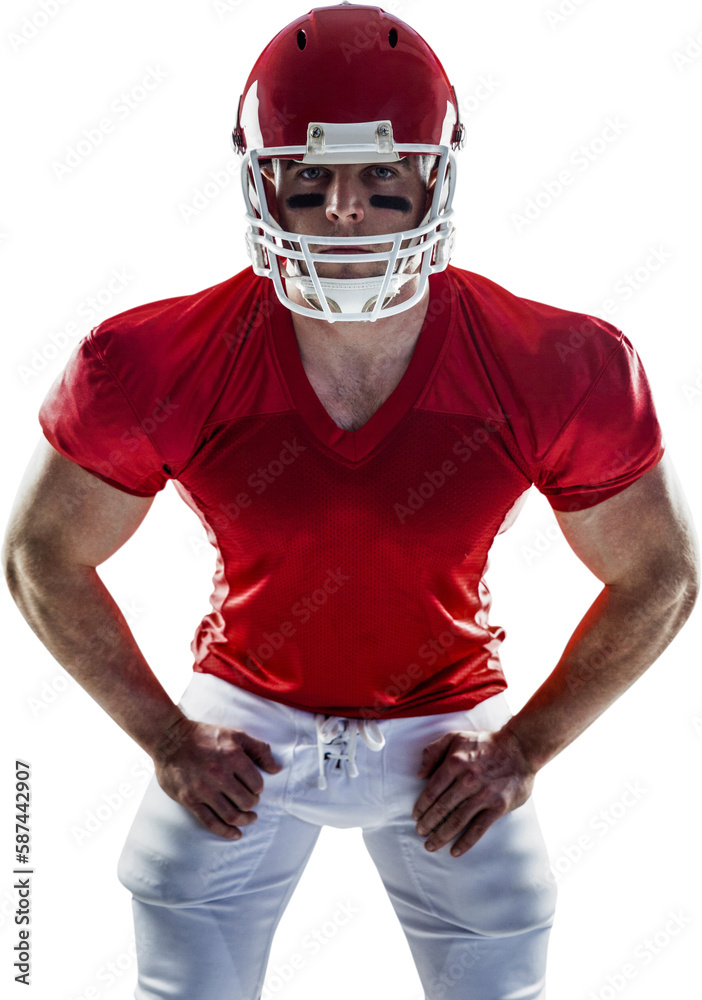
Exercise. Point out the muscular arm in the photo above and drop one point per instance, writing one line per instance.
(641, 544)
(64, 524)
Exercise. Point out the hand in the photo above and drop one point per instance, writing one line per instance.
(212, 771)
(474, 778)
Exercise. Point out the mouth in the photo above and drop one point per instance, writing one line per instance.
(345, 250)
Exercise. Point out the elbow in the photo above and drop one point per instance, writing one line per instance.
(676, 569)
(690, 573)
(23, 561)
(668, 587)
(691, 590)
(687, 598)
(14, 564)
(678, 588)
(10, 563)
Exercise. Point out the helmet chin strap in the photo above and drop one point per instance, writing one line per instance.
(348, 295)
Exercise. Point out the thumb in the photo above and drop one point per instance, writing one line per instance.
(261, 753)
(433, 754)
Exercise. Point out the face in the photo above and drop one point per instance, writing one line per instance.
(349, 199)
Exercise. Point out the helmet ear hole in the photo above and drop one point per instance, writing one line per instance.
(392, 38)
(301, 39)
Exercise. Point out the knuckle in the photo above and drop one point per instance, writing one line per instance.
(255, 785)
(461, 758)
(484, 798)
(481, 828)
(203, 815)
(468, 783)
(454, 822)
(442, 811)
(248, 783)
(238, 800)
(198, 788)
(235, 820)
(223, 830)
(228, 811)
(190, 801)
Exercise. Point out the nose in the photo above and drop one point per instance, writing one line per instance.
(344, 200)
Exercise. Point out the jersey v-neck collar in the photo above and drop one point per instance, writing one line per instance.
(355, 446)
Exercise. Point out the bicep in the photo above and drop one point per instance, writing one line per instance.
(68, 511)
(641, 534)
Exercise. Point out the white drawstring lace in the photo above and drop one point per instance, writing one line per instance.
(335, 733)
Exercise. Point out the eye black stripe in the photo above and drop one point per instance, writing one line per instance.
(395, 202)
(308, 200)
(316, 200)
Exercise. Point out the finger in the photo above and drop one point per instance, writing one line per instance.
(433, 754)
(260, 752)
(454, 825)
(444, 808)
(237, 792)
(245, 771)
(230, 813)
(211, 820)
(452, 771)
(480, 825)
(434, 789)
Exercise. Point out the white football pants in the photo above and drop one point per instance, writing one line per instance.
(206, 908)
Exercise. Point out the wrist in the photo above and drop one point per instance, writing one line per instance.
(171, 739)
(527, 748)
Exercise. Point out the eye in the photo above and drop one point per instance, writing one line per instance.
(384, 173)
(311, 173)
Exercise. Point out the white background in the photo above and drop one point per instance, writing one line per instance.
(552, 85)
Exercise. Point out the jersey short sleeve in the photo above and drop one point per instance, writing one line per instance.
(88, 417)
(611, 439)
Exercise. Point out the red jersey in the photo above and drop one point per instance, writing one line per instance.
(350, 564)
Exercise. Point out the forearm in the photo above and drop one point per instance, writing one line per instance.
(74, 615)
(620, 636)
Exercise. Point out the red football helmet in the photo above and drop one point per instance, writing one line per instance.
(347, 84)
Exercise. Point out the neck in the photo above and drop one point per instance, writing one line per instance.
(361, 343)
